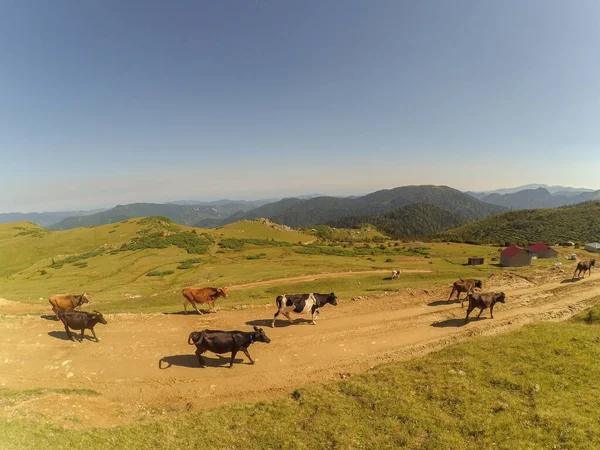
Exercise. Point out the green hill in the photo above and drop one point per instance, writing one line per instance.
(319, 210)
(407, 222)
(579, 223)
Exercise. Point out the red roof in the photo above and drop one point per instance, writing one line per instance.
(538, 248)
(511, 251)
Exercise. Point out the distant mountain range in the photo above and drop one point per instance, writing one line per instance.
(562, 190)
(183, 214)
(296, 213)
(446, 206)
(44, 219)
(539, 198)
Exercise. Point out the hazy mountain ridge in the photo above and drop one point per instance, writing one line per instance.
(539, 198)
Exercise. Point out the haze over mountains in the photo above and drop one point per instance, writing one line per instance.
(392, 210)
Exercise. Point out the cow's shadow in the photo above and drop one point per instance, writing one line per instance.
(279, 323)
(450, 323)
(189, 313)
(443, 302)
(65, 337)
(570, 280)
(192, 361)
(49, 317)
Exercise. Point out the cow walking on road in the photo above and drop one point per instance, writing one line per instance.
(467, 286)
(202, 295)
(67, 301)
(395, 273)
(217, 341)
(80, 320)
(484, 301)
(584, 266)
(302, 304)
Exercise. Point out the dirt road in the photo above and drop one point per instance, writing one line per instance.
(143, 366)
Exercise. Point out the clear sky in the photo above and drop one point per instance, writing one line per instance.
(106, 102)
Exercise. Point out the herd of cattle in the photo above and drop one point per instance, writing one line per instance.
(67, 308)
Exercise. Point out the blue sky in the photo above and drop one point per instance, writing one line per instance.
(121, 101)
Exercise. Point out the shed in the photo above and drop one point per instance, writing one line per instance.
(542, 250)
(515, 256)
(593, 247)
(475, 261)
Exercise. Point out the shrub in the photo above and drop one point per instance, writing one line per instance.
(259, 256)
(156, 273)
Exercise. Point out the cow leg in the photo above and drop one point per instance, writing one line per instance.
(287, 314)
(199, 351)
(275, 317)
(233, 353)
(212, 306)
(492, 312)
(314, 317)
(245, 350)
(69, 333)
(94, 333)
(195, 307)
(185, 306)
(451, 294)
(469, 309)
(480, 313)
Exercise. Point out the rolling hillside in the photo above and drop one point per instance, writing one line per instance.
(407, 222)
(182, 214)
(579, 223)
(306, 213)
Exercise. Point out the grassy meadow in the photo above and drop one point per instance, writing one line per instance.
(141, 265)
(535, 388)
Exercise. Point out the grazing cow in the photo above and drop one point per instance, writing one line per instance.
(67, 301)
(395, 273)
(302, 304)
(202, 295)
(584, 266)
(484, 301)
(226, 341)
(461, 286)
(80, 320)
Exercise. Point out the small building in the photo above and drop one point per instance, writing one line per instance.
(541, 250)
(593, 247)
(475, 261)
(514, 256)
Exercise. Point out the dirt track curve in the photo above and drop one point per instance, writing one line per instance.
(143, 366)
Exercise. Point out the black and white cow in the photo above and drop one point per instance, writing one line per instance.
(302, 304)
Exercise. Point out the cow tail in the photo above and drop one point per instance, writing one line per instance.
(279, 301)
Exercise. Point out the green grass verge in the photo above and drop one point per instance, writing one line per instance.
(534, 388)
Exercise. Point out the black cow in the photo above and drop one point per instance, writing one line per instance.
(80, 320)
(584, 266)
(302, 304)
(218, 341)
(484, 301)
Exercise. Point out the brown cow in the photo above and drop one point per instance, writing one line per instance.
(67, 301)
(484, 301)
(584, 266)
(202, 295)
(461, 286)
